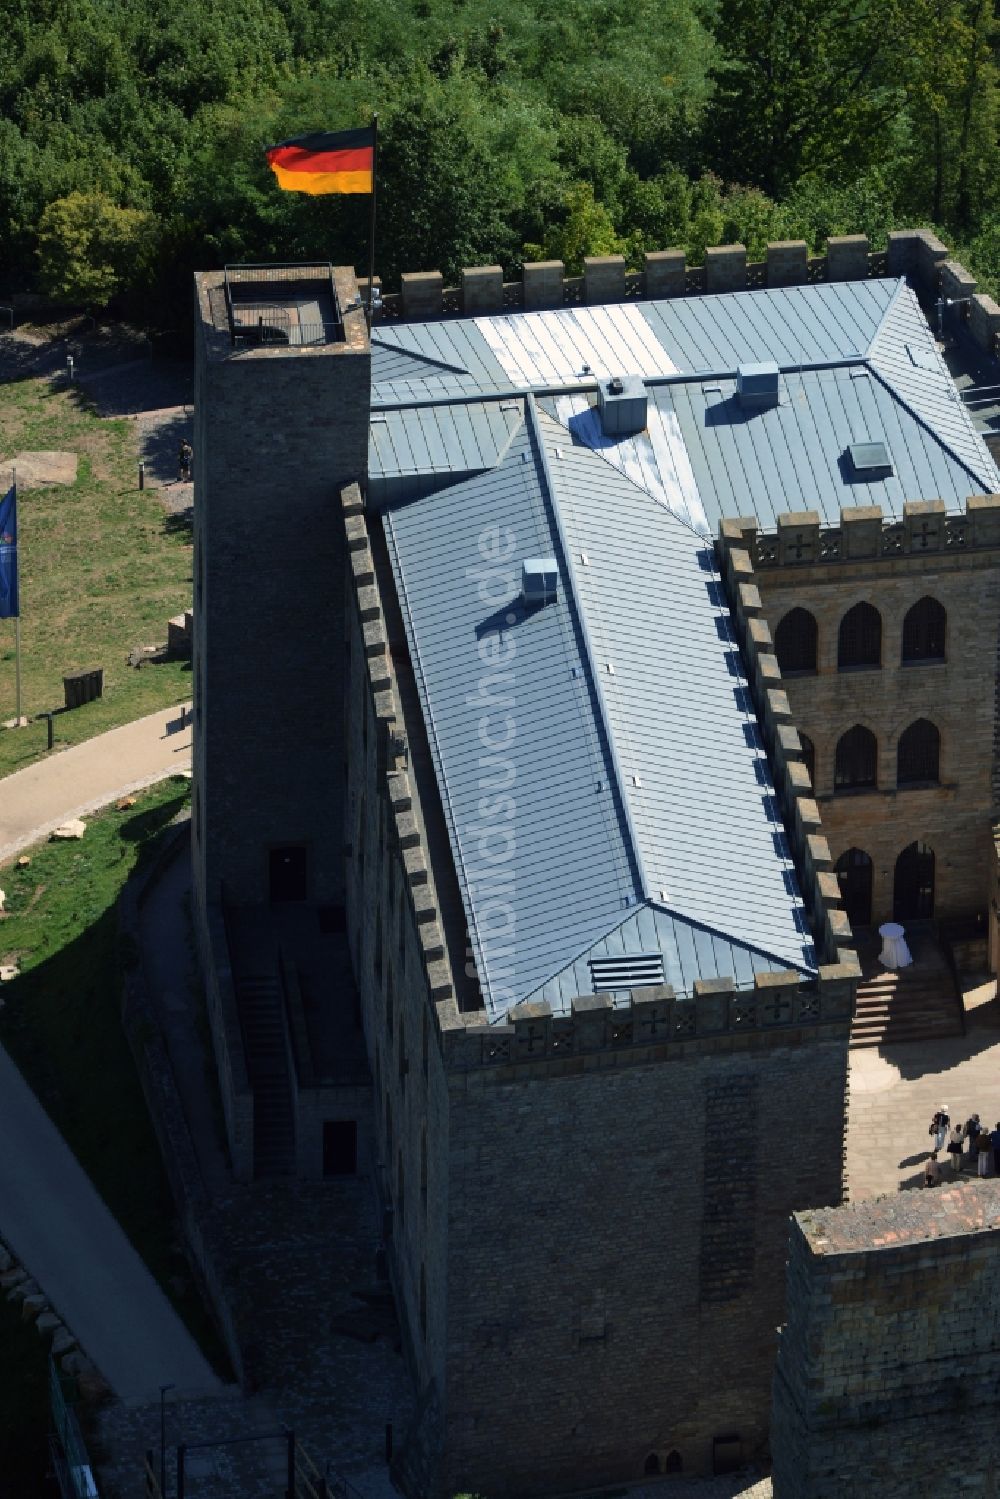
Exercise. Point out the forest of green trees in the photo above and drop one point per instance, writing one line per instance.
(132, 132)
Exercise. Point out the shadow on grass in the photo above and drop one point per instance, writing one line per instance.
(61, 1024)
(180, 523)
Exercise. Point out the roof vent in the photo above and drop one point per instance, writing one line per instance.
(622, 404)
(539, 580)
(758, 384)
(870, 460)
(628, 971)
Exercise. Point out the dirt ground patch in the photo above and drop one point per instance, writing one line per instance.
(35, 470)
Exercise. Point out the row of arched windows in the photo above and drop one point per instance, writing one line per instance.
(859, 639)
(912, 884)
(855, 767)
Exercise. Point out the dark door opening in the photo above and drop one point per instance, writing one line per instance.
(913, 885)
(340, 1147)
(287, 873)
(854, 875)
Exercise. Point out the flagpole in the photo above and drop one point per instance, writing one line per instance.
(371, 226)
(17, 629)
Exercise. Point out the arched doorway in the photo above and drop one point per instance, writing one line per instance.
(913, 884)
(854, 875)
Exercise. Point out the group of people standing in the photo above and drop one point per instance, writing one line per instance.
(971, 1141)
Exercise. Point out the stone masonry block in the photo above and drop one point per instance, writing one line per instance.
(739, 563)
(839, 925)
(604, 278)
(829, 888)
(788, 741)
(759, 634)
(591, 1012)
(482, 289)
(787, 262)
(818, 852)
(543, 284)
(798, 778)
(847, 257)
(726, 268)
(423, 294)
(351, 502)
(798, 536)
(984, 322)
(749, 596)
(807, 815)
(931, 254)
(924, 522)
(901, 257)
(665, 273)
(652, 1007)
(778, 705)
(956, 284)
(735, 530)
(984, 512)
(861, 531)
(712, 1001)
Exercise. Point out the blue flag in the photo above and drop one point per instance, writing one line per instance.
(9, 606)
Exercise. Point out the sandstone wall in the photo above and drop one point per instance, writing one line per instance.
(888, 1371)
(957, 695)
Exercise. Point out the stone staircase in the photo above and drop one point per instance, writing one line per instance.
(914, 1004)
(261, 1006)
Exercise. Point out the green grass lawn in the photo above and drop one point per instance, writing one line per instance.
(61, 1023)
(102, 569)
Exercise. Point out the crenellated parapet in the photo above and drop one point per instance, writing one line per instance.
(915, 253)
(393, 756)
(800, 812)
(866, 533)
(780, 1010)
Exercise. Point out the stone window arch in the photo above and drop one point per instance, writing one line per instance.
(859, 640)
(795, 642)
(673, 1463)
(651, 1466)
(856, 760)
(913, 884)
(925, 628)
(854, 876)
(918, 754)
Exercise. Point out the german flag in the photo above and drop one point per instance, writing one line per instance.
(341, 161)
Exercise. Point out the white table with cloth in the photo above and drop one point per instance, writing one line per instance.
(895, 953)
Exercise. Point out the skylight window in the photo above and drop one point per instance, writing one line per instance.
(870, 459)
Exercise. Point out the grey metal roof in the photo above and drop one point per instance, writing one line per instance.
(588, 847)
(438, 443)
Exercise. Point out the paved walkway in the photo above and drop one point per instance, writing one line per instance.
(77, 781)
(896, 1089)
(59, 1228)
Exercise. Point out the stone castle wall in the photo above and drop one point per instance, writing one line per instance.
(587, 1211)
(279, 430)
(892, 564)
(888, 1370)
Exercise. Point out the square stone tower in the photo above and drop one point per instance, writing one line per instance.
(282, 397)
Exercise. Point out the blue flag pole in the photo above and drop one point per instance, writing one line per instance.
(9, 596)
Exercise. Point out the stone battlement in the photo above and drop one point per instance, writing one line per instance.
(915, 253)
(656, 1023)
(864, 533)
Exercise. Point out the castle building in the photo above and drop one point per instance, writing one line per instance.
(617, 651)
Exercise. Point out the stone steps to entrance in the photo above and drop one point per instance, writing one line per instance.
(906, 1006)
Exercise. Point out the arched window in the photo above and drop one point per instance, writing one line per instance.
(913, 884)
(795, 642)
(924, 631)
(854, 875)
(809, 756)
(860, 640)
(918, 755)
(651, 1465)
(673, 1463)
(856, 763)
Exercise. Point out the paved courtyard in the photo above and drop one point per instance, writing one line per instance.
(896, 1089)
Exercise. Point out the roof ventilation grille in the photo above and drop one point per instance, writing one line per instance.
(622, 404)
(539, 580)
(870, 460)
(758, 385)
(629, 971)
